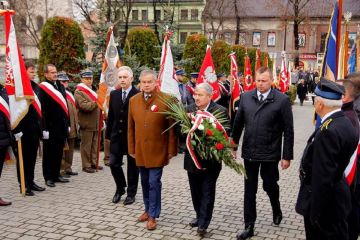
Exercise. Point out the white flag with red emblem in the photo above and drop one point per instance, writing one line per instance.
(18, 85)
(207, 74)
(284, 76)
(166, 79)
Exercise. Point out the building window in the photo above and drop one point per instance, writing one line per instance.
(158, 15)
(144, 15)
(323, 41)
(184, 14)
(183, 36)
(194, 14)
(193, 33)
(135, 15)
(39, 22)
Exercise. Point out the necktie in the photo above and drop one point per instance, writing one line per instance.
(147, 96)
(124, 96)
(261, 98)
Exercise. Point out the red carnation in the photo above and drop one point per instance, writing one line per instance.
(209, 132)
(219, 146)
(218, 127)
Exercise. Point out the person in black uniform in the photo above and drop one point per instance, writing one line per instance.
(203, 182)
(55, 123)
(30, 130)
(225, 90)
(116, 132)
(324, 196)
(5, 133)
(267, 117)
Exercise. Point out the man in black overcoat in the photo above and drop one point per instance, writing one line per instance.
(324, 196)
(116, 132)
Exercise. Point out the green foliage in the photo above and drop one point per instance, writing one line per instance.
(142, 42)
(195, 48)
(292, 93)
(220, 51)
(61, 44)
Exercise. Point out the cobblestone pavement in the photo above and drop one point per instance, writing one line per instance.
(82, 209)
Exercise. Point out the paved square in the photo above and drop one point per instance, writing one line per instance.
(82, 209)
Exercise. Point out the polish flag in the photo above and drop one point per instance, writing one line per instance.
(207, 74)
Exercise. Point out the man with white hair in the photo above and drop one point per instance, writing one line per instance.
(324, 196)
(203, 182)
(116, 132)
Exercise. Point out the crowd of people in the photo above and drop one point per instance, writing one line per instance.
(327, 198)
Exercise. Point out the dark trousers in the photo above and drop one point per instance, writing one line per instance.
(151, 187)
(269, 173)
(29, 152)
(353, 219)
(52, 155)
(3, 151)
(116, 161)
(327, 230)
(203, 187)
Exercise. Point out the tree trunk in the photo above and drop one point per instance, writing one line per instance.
(155, 23)
(237, 33)
(296, 32)
(108, 10)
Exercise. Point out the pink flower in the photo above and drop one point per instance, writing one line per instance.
(154, 108)
(219, 146)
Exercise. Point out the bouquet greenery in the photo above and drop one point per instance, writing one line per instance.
(206, 135)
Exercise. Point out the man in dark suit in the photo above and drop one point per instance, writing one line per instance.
(267, 117)
(203, 182)
(55, 120)
(324, 197)
(30, 130)
(116, 132)
(225, 90)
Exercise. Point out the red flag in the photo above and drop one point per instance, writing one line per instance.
(266, 61)
(284, 77)
(235, 89)
(207, 74)
(18, 85)
(248, 81)
(258, 60)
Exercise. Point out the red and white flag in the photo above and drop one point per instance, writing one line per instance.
(207, 74)
(248, 80)
(284, 76)
(109, 72)
(235, 88)
(18, 85)
(166, 78)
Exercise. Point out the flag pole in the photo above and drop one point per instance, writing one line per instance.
(21, 168)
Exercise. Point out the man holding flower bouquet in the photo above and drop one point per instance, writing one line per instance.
(202, 172)
(267, 118)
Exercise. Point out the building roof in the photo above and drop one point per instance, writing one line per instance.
(275, 8)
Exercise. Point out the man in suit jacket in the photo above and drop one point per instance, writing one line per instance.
(151, 147)
(30, 130)
(116, 132)
(324, 197)
(266, 115)
(55, 116)
(203, 182)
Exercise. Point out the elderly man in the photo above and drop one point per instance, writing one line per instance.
(324, 197)
(266, 115)
(55, 116)
(116, 132)
(88, 115)
(149, 143)
(203, 182)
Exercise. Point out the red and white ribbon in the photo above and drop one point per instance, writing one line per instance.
(88, 91)
(4, 107)
(198, 119)
(37, 105)
(350, 169)
(55, 94)
(71, 98)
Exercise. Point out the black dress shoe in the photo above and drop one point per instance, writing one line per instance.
(28, 192)
(36, 187)
(194, 223)
(4, 203)
(65, 175)
(62, 180)
(71, 173)
(129, 200)
(50, 183)
(117, 196)
(247, 233)
(277, 219)
(201, 231)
